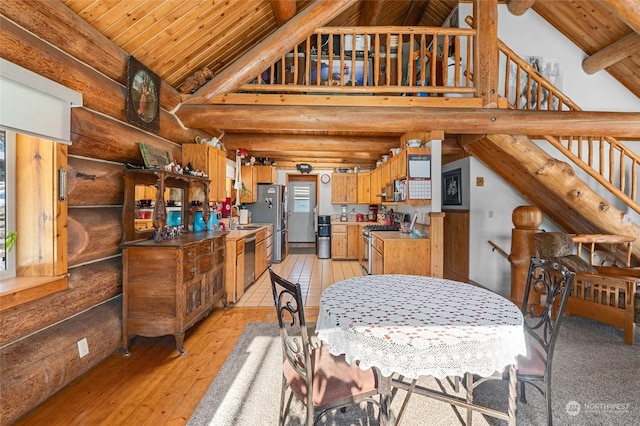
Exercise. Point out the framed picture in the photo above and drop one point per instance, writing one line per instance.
(143, 96)
(452, 188)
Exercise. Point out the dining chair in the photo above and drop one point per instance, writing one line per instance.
(320, 380)
(547, 291)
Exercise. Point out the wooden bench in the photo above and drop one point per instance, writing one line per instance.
(604, 293)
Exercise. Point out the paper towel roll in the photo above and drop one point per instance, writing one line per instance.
(244, 217)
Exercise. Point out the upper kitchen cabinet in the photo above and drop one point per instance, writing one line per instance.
(344, 188)
(213, 162)
(266, 174)
(249, 192)
(364, 188)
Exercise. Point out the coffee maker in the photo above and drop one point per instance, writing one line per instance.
(372, 216)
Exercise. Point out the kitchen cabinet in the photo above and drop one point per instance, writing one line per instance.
(266, 174)
(234, 270)
(213, 162)
(364, 188)
(376, 187)
(345, 240)
(269, 244)
(249, 192)
(398, 166)
(396, 253)
(264, 249)
(344, 188)
(168, 286)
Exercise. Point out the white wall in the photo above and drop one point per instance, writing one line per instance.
(491, 205)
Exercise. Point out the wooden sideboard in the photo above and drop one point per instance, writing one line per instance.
(170, 285)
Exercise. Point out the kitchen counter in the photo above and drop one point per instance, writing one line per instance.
(238, 234)
(397, 235)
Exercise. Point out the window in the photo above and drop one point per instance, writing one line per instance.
(7, 204)
(301, 200)
(40, 253)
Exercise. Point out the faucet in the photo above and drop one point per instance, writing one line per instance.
(236, 207)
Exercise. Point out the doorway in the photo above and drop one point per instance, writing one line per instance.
(302, 208)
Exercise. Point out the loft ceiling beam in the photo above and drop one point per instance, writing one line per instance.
(265, 53)
(253, 118)
(519, 7)
(614, 53)
(629, 12)
(283, 10)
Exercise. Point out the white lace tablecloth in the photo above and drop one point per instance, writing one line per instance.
(415, 325)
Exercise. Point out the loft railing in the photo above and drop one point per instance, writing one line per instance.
(604, 158)
(371, 60)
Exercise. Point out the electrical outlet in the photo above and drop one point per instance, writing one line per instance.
(83, 347)
(479, 181)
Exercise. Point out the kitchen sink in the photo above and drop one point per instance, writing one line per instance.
(247, 227)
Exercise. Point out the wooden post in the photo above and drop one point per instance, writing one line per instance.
(436, 235)
(526, 219)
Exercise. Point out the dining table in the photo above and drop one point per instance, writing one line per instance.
(409, 326)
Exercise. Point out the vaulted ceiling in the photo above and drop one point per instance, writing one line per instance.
(177, 38)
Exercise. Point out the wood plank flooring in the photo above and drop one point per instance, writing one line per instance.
(155, 385)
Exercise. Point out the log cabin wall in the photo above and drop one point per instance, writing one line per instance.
(38, 340)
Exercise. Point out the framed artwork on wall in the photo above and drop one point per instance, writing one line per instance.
(143, 96)
(452, 188)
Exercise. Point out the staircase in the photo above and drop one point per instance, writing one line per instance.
(551, 184)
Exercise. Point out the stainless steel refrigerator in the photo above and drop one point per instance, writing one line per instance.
(271, 207)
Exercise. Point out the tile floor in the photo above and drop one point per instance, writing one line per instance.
(312, 273)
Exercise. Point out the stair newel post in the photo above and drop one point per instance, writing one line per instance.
(526, 220)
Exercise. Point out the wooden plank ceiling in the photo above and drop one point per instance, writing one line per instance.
(177, 38)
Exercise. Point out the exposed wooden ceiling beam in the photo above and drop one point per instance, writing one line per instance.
(270, 142)
(369, 12)
(627, 10)
(283, 10)
(615, 52)
(265, 53)
(519, 7)
(248, 118)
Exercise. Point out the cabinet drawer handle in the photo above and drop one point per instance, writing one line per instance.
(193, 270)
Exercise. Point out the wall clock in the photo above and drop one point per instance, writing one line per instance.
(325, 178)
(143, 96)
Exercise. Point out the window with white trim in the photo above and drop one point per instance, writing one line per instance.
(7, 204)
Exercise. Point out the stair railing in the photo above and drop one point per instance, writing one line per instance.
(604, 158)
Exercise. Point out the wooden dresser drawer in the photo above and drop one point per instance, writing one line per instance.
(261, 235)
(205, 247)
(189, 270)
(239, 246)
(205, 263)
(190, 252)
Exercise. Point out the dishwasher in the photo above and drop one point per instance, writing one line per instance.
(249, 260)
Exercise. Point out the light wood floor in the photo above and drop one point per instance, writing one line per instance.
(155, 385)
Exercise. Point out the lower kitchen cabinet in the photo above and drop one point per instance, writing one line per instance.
(234, 275)
(168, 286)
(345, 240)
(405, 255)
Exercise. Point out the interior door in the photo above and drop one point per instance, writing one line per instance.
(302, 207)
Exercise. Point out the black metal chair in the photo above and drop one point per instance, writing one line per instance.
(322, 381)
(547, 291)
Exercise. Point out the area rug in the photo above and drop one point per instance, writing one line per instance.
(302, 250)
(596, 382)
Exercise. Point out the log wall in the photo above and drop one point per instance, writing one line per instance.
(38, 340)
